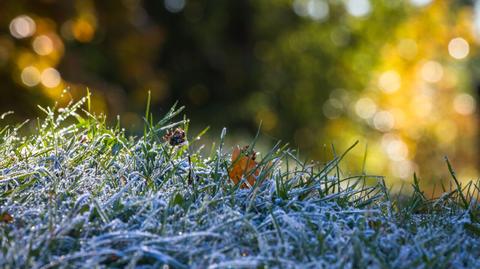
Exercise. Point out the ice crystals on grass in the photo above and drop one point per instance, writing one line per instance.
(84, 203)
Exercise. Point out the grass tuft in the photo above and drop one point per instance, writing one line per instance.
(78, 193)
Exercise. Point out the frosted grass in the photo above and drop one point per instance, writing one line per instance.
(84, 195)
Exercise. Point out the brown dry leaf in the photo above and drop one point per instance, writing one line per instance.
(243, 165)
(5, 217)
(175, 137)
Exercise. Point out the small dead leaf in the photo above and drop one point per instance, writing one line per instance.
(176, 137)
(123, 180)
(243, 165)
(6, 218)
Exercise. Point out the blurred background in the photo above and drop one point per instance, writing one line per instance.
(400, 76)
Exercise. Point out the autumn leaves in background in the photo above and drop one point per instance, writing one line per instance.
(244, 164)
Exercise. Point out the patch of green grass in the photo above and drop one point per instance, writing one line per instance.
(76, 192)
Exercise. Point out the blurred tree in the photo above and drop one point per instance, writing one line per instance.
(395, 74)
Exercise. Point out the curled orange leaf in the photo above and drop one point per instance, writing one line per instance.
(243, 165)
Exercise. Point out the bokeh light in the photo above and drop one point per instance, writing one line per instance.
(318, 10)
(464, 104)
(50, 77)
(365, 108)
(402, 169)
(82, 30)
(432, 71)
(175, 6)
(42, 45)
(358, 8)
(22, 26)
(389, 81)
(420, 3)
(30, 76)
(332, 109)
(384, 121)
(300, 7)
(458, 48)
(396, 149)
(313, 72)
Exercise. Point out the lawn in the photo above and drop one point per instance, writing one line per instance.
(76, 192)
